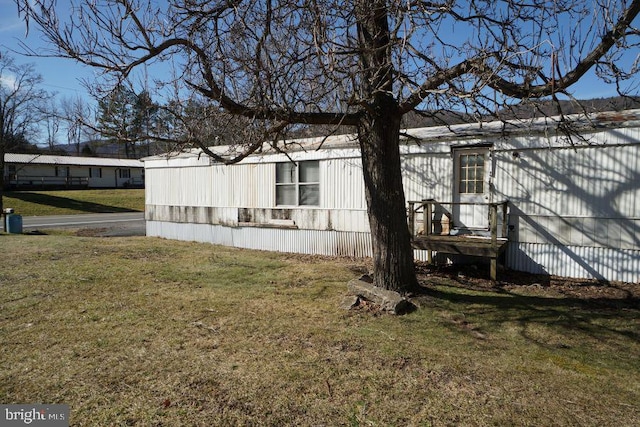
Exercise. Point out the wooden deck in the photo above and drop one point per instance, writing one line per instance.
(491, 246)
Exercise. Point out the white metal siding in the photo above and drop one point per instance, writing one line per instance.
(575, 211)
(271, 239)
(584, 196)
(575, 261)
(599, 181)
(342, 185)
(331, 243)
(304, 218)
(179, 186)
(428, 177)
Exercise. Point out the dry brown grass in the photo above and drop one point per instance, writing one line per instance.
(152, 332)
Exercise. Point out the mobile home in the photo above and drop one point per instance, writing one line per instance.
(39, 171)
(571, 203)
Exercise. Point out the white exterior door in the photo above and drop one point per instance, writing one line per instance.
(471, 185)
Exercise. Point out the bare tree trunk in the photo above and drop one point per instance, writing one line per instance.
(379, 136)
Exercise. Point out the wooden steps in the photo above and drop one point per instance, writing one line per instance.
(490, 246)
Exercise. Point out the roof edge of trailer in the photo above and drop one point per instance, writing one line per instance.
(576, 123)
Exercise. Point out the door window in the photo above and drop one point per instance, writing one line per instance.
(471, 173)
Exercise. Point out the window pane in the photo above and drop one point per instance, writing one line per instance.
(310, 195)
(463, 174)
(479, 189)
(285, 172)
(472, 174)
(309, 172)
(285, 195)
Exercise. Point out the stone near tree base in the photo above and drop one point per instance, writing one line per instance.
(349, 302)
(389, 301)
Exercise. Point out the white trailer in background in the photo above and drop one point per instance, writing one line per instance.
(42, 172)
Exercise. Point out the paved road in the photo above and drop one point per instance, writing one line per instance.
(112, 224)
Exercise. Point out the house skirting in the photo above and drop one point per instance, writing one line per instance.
(312, 242)
(583, 262)
(569, 261)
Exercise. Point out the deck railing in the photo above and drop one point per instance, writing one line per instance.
(48, 181)
(441, 240)
(429, 207)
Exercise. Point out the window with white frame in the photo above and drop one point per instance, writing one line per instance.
(298, 184)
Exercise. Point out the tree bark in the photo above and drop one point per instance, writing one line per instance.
(379, 138)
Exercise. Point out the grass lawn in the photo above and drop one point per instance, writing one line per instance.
(144, 331)
(31, 203)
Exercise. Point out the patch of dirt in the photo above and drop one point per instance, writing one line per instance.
(91, 232)
(476, 277)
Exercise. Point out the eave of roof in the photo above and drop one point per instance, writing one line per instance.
(543, 125)
(44, 159)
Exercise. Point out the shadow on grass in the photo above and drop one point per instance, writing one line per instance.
(65, 202)
(568, 310)
(603, 319)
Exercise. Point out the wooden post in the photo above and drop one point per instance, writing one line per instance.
(426, 219)
(412, 219)
(493, 223)
(493, 219)
(426, 226)
(505, 224)
(493, 273)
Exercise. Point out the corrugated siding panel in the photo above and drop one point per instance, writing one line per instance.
(220, 185)
(195, 190)
(428, 177)
(270, 239)
(599, 181)
(304, 241)
(341, 184)
(251, 185)
(349, 220)
(330, 243)
(575, 261)
(303, 218)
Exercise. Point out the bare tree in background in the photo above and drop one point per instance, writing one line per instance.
(21, 105)
(76, 115)
(356, 63)
(52, 120)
